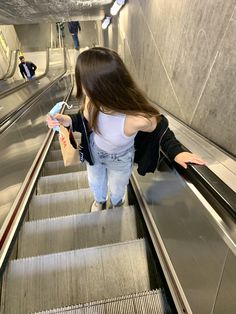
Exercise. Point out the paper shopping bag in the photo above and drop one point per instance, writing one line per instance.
(68, 146)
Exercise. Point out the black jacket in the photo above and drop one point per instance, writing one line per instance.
(30, 65)
(74, 27)
(148, 145)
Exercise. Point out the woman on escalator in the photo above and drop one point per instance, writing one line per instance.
(119, 126)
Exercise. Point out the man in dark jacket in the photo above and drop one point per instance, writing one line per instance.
(27, 69)
(73, 29)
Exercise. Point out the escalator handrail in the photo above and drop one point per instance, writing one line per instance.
(224, 195)
(16, 88)
(221, 192)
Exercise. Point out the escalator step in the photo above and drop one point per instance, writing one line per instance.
(54, 155)
(62, 182)
(74, 110)
(60, 204)
(57, 280)
(78, 231)
(56, 145)
(149, 302)
(57, 167)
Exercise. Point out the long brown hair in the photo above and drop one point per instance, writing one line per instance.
(109, 85)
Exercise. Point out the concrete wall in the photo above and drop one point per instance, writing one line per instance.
(34, 37)
(38, 37)
(10, 36)
(183, 54)
(9, 40)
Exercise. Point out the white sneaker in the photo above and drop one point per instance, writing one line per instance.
(119, 204)
(96, 206)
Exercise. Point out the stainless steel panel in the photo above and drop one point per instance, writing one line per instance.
(195, 248)
(21, 142)
(16, 99)
(226, 295)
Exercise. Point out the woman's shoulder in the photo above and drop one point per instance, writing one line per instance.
(141, 123)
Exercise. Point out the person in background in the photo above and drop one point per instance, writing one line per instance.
(60, 29)
(74, 27)
(123, 127)
(27, 69)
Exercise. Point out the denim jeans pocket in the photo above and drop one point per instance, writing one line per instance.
(125, 158)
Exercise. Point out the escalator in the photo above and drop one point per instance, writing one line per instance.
(70, 260)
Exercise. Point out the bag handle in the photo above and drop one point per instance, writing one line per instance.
(86, 135)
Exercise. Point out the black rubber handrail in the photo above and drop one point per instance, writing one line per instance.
(208, 182)
(16, 88)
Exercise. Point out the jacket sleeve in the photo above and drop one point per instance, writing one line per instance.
(170, 145)
(33, 66)
(76, 122)
(79, 26)
(22, 71)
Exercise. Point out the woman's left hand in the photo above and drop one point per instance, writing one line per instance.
(184, 158)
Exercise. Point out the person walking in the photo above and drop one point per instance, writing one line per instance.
(74, 27)
(60, 29)
(27, 69)
(119, 126)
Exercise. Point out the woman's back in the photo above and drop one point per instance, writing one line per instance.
(111, 133)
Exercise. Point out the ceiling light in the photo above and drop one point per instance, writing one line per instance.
(117, 6)
(106, 22)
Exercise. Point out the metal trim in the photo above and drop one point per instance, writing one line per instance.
(11, 223)
(176, 290)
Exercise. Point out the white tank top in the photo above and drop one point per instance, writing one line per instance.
(112, 138)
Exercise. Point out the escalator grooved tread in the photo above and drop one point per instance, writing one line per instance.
(56, 280)
(78, 231)
(148, 302)
(62, 182)
(57, 167)
(60, 204)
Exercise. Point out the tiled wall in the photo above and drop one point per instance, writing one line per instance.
(183, 54)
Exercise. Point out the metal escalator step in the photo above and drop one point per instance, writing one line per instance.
(60, 204)
(62, 182)
(57, 167)
(78, 231)
(58, 280)
(148, 302)
(56, 145)
(74, 110)
(54, 155)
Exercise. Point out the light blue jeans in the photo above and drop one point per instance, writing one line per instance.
(109, 170)
(76, 40)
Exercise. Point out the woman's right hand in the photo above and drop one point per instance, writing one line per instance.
(58, 119)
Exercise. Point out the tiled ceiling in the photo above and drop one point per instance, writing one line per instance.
(39, 11)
